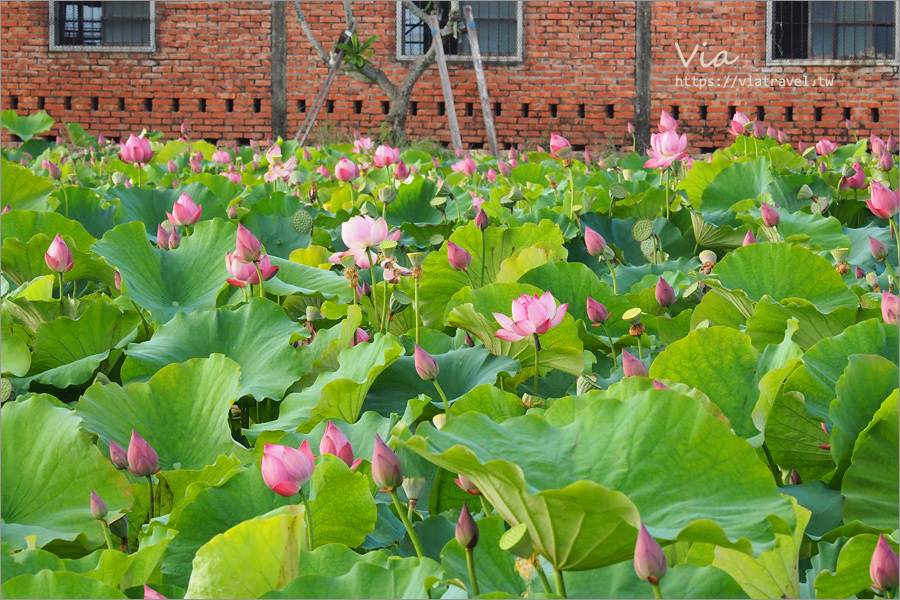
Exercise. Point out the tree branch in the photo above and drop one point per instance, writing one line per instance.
(348, 13)
(423, 16)
(323, 56)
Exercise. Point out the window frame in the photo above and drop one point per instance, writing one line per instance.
(828, 62)
(55, 46)
(516, 58)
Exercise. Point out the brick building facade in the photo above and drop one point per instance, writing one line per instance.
(210, 65)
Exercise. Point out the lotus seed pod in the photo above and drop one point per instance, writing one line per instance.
(516, 541)
(708, 256)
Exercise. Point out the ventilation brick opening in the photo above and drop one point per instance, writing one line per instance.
(414, 108)
(817, 113)
(203, 105)
(14, 102)
(40, 103)
(673, 110)
(760, 113)
(67, 103)
(498, 109)
(257, 105)
(357, 107)
(731, 112)
(581, 111)
(301, 105)
(148, 104)
(469, 109)
(441, 109)
(329, 106)
(385, 107)
(789, 113)
(229, 105)
(525, 109)
(120, 103)
(553, 110)
(704, 112)
(610, 111)
(875, 116)
(846, 113)
(95, 103)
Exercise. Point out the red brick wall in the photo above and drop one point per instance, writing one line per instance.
(576, 53)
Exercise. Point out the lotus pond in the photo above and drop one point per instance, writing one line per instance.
(353, 371)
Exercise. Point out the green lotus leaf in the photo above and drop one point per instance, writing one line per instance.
(343, 510)
(783, 271)
(270, 220)
(795, 440)
(21, 189)
(294, 278)
(182, 411)
(620, 581)
(851, 576)
(49, 469)
(738, 181)
(825, 233)
(767, 324)
(50, 584)
(267, 549)
(167, 282)
(149, 206)
(489, 400)
(27, 562)
(120, 570)
(413, 204)
(26, 127)
(15, 354)
(24, 261)
(255, 335)
(825, 504)
(495, 568)
(25, 224)
(720, 362)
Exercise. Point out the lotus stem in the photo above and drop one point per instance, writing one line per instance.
(640, 348)
(440, 391)
(572, 192)
(560, 583)
(612, 271)
(60, 294)
(310, 538)
(469, 276)
(657, 593)
(542, 575)
(413, 536)
(150, 483)
(375, 313)
(486, 506)
(107, 534)
(412, 509)
(65, 200)
(612, 348)
(772, 466)
(893, 227)
(483, 258)
(416, 285)
(259, 275)
(537, 348)
(384, 310)
(666, 186)
(470, 563)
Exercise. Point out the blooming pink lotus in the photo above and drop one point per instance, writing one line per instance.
(136, 150)
(285, 470)
(531, 315)
(364, 232)
(559, 146)
(884, 203)
(142, 458)
(857, 181)
(221, 156)
(245, 273)
(467, 166)
(58, 256)
(738, 123)
(825, 147)
(247, 247)
(185, 211)
(667, 122)
(385, 156)
(346, 170)
(363, 145)
(334, 442)
(666, 148)
(281, 171)
(323, 171)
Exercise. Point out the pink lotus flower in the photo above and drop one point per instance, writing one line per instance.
(307, 155)
(364, 232)
(588, 157)
(151, 594)
(174, 240)
(245, 273)
(387, 472)
(770, 216)
(247, 246)
(99, 509)
(385, 156)
(466, 529)
(596, 312)
(466, 484)
(195, 163)
(824, 147)
(221, 156)
(482, 221)
(285, 470)
(361, 336)
(136, 150)
(477, 201)
(233, 177)
(491, 175)
(666, 148)
(346, 170)
(401, 171)
(6, 209)
(891, 144)
(323, 171)
(162, 237)
(772, 132)
(738, 123)
(758, 131)
(362, 145)
(878, 145)
(466, 165)
(884, 203)
(559, 146)
(890, 308)
(632, 366)
(142, 458)
(171, 166)
(886, 162)
(629, 127)
(879, 251)
(185, 211)
(664, 293)
(749, 238)
(52, 170)
(58, 257)
(458, 257)
(334, 442)
(513, 163)
(117, 281)
(117, 455)
(884, 568)
(859, 273)
(426, 366)
(531, 315)
(667, 123)
(781, 136)
(280, 171)
(593, 241)
(649, 560)
(504, 168)
(857, 181)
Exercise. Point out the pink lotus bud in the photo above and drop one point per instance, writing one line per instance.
(857, 181)
(248, 247)
(481, 220)
(435, 163)
(117, 455)
(460, 153)
(759, 132)
(346, 170)
(878, 145)
(387, 472)
(162, 237)
(323, 171)
(781, 136)
(151, 594)
(879, 251)
(6, 209)
(795, 477)
(588, 157)
(886, 162)
(801, 146)
(117, 280)
(285, 470)
(58, 256)
(466, 529)
(185, 130)
(890, 308)
(102, 140)
(632, 367)
(426, 366)
(504, 168)
(891, 144)
(649, 560)
(98, 507)
(772, 132)
(221, 157)
(770, 216)
(385, 156)
(185, 211)
(560, 146)
(513, 152)
(171, 166)
(667, 123)
(491, 175)
(594, 241)
(664, 293)
(629, 127)
(361, 336)
(749, 238)
(52, 170)
(364, 289)
(466, 484)
(859, 273)
(334, 442)
(822, 168)
(23, 162)
(307, 155)
(885, 566)
(174, 240)
(825, 147)
(142, 458)
(466, 166)
(401, 171)
(513, 163)
(884, 203)
(458, 257)
(596, 312)
(658, 385)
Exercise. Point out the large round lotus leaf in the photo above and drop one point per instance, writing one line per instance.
(255, 335)
(251, 558)
(461, 371)
(769, 320)
(50, 584)
(824, 363)
(15, 355)
(621, 581)
(25, 224)
(49, 469)
(166, 282)
(851, 574)
(23, 260)
(870, 485)
(182, 412)
(26, 127)
(149, 206)
(720, 362)
(21, 189)
(715, 489)
(784, 271)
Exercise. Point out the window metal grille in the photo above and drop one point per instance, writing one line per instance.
(833, 32)
(499, 27)
(116, 26)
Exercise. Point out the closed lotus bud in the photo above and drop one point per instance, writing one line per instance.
(117, 455)
(891, 144)
(174, 240)
(749, 238)
(162, 237)
(588, 157)
(364, 289)
(151, 594)
(491, 175)
(458, 257)
(658, 385)
(6, 209)
(307, 155)
(401, 171)
(805, 193)
(466, 484)
(413, 487)
(596, 312)
(117, 280)
(52, 170)
(886, 162)
(468, 341)
(171, 166)
(664, 293)
(426, 366)
(890, 308)
(248, 247)
(879, 251)
(58, 257)
(466, 529)
(387, 472)
(185, 130)
(334, 442)
(286, 470)
(795, 477)
(593, 241)
(481, 220)
(649, 559)
(98, 507)
(232, 212)
(770, 216)
(629, 127)
(504, 167)
(142, 458)
(884, 569)
(632, 367)
(859, 273)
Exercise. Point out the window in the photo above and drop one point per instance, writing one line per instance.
(499, 27)
(828, 32)
(119, 26)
